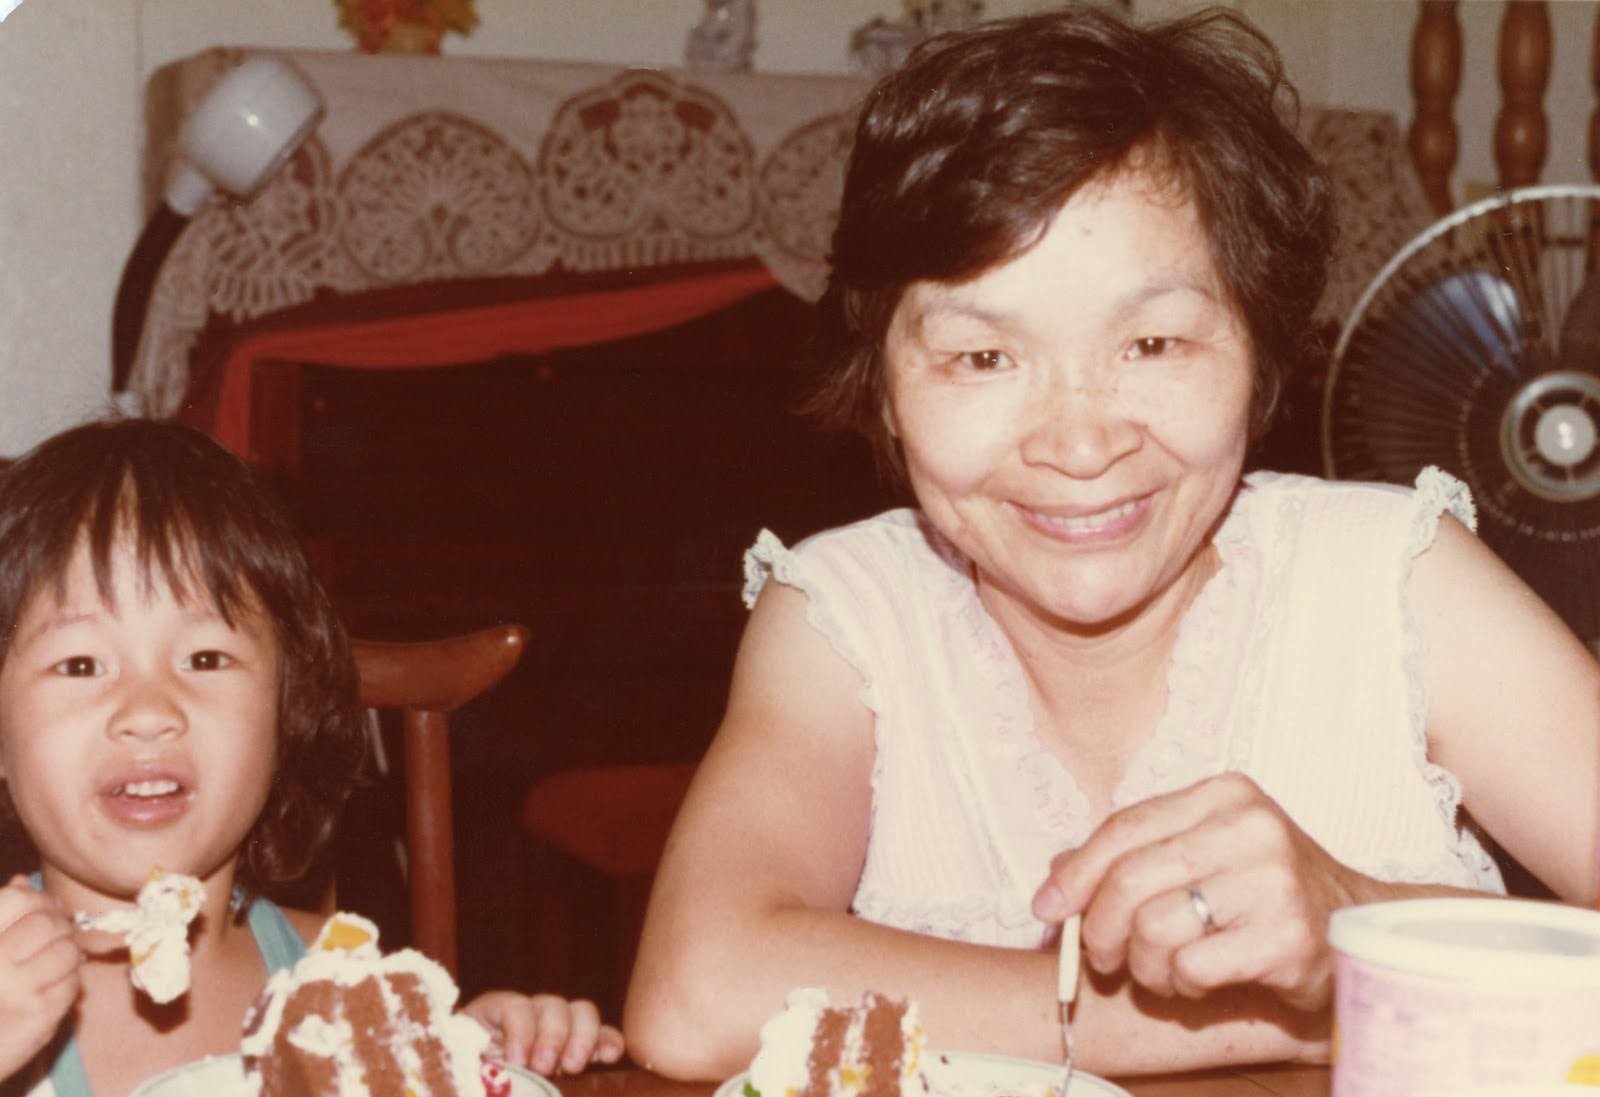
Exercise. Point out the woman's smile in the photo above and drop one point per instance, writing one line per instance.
(1093, 527)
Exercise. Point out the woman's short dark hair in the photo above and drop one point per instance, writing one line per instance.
(195, 514)
(964, 155)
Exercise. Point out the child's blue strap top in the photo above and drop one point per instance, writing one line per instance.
(280, 947)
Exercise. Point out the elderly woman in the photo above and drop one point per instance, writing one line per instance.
(1097, 670)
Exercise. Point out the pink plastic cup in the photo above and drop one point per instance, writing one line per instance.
(1448, 997)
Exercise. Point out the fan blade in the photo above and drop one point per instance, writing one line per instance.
(1478, 350)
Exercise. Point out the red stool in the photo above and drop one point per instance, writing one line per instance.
(611, 822)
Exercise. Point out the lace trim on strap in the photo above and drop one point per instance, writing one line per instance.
(1186, 744)
(1437, 492)
(985, 919)
(1452, 867)
(767, 559)
(1052, 814)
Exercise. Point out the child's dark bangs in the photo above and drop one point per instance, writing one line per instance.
(175, 534)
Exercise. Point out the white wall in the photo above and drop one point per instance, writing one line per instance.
(69, 120)
(792, 35)
(72, 74)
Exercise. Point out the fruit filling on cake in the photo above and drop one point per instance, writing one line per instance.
(156, 930)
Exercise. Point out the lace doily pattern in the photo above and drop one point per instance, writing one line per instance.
(241, 261)
(437, 196)
(662, 166)
(1378, 204)
(639, 169)
(800, 186)
(276, 251)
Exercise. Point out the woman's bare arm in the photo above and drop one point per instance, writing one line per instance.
(753, 894)
(1514, 710)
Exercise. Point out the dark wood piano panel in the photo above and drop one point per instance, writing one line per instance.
(603, 495)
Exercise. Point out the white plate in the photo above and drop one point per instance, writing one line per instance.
(222, 1075)
(971, 1074)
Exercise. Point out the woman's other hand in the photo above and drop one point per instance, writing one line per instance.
(545, 1032)
(39, 962)
(1210, 886)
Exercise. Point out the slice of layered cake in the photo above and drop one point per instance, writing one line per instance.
(870, 1048)
(349, 1020)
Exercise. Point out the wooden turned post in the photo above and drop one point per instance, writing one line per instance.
(1521, 135)
(1435, 79)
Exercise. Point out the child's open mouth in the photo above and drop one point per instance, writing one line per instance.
(144, 789)
(146, 801)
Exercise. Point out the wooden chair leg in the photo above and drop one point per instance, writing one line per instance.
(430, 837)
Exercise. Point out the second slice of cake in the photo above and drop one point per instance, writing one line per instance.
(813, 1048)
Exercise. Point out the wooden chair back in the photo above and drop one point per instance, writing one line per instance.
(426, 682)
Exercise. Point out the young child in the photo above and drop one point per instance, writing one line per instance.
(175, 691)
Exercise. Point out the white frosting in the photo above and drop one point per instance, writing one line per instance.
(779, 1068)
(911, 1030)
(260, 1031)
(320, 1036)
(156, 929)
(467, 1041)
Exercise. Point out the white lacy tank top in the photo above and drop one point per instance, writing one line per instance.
(1296, 665)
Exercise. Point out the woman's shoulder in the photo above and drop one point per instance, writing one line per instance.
(902, 526)
(1353, 505)
(1269, 484)
(894, 547)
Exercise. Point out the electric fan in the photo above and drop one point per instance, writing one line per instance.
(1477, 349)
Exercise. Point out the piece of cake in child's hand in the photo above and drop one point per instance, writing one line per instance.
(871, 1048)
(348, 1020)
(156, 929)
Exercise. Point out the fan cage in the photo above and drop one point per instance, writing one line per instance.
(1476, 349)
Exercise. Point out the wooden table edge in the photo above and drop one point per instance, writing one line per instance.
(1257, 1081)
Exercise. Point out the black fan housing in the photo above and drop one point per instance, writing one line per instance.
(1477, 349)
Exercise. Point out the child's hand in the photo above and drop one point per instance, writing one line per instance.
(39, 961)
(545, 1032)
